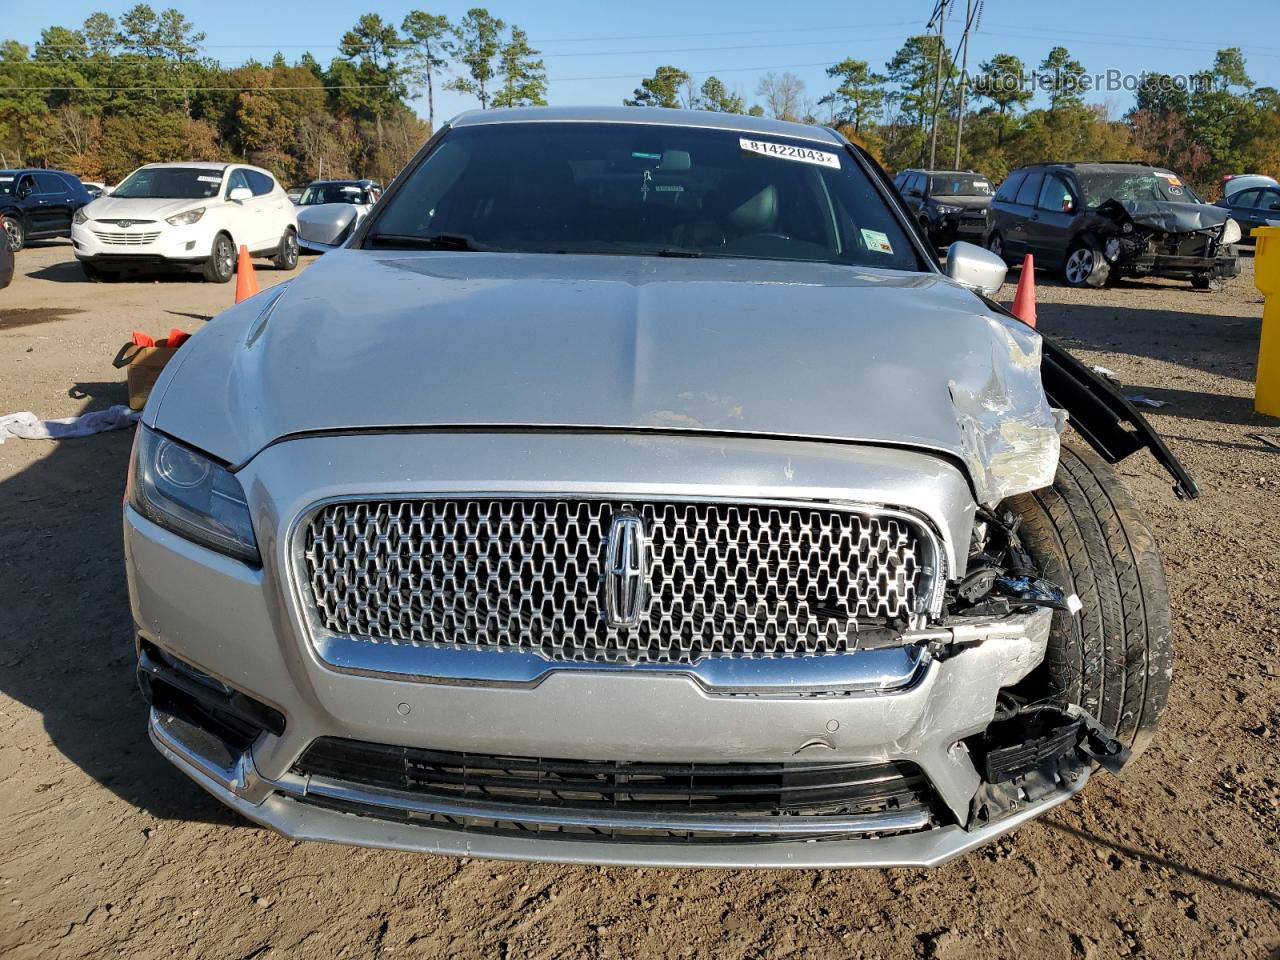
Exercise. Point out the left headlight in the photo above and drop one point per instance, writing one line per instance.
(1230, 231)
(190, 494)
(79, 216)
(185, 219)
(946, 209)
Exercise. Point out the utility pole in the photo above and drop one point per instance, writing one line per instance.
(940, 15)
(972, 14)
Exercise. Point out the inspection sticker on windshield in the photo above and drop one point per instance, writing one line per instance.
(209, 179)
(876, 241)
(787, 152)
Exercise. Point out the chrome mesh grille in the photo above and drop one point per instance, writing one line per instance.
(724, 579)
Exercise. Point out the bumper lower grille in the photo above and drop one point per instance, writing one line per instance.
(712, 579)
(615, 799)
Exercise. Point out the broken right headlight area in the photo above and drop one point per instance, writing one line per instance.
(185, 491)
(1001, 575)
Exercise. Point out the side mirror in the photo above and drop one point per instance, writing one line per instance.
(24, 191)
(971, 266)
(240, 194)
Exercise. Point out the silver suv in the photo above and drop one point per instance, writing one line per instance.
(633, 487)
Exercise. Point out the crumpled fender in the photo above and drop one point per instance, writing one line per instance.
(1010, 434)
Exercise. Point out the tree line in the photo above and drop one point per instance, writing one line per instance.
(1215, 123)
(104, 97)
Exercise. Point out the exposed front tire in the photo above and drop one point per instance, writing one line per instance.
(222, 260)
(15, 233)
(1085, 266)
(1115, 658)
(286, 257)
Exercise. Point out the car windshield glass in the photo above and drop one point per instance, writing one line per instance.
(1100, 187)
(959, 185)
(643, 189)
(170, 183)
(331, 193)
(8, 181)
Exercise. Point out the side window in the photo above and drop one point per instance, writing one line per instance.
(1009, 189)
(1268, 199)
(48, 183)
(259, 183)
(916, 183)
(27, 184)
(1030, 189)
(1055, 195)
(1245, 198)
(237, 179)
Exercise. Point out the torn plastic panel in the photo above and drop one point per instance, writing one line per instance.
(1032, 751)
(1010, 434)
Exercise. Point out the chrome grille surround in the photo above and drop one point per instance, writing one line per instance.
(758, 579)
(120, 239)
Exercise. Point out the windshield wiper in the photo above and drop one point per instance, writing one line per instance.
(677, 252)
(435, 241)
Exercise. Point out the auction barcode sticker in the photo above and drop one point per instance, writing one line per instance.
(786, 151)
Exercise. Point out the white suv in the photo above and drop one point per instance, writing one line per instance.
(194, 215)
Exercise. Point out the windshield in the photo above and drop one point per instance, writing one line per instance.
(170, 183)
(332, 193)
(8, 181)
(1100, 187)
(959, 185)
(643, 189)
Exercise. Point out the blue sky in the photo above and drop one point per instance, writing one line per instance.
(597, 52)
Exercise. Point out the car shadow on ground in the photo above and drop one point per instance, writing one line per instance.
(69, 654)
(1155, 860)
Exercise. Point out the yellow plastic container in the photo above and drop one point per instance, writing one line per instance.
(1266, 277)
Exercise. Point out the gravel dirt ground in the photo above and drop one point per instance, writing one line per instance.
(106, 851)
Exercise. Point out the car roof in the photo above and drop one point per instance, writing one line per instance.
(653, 116)
(20, 170)
(345, 182)
(1116, 167)
(967, 173)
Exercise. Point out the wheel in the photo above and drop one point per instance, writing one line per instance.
(995, 243)
(286, 257)
(1085, 266)
(222, 260)
(95, 274)
(16, 233)
(1115, 658)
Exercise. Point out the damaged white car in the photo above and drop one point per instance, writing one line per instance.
(633, 487)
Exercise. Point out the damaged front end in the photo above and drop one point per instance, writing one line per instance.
(1180, 241)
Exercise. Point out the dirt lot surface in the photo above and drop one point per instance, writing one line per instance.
(106, 851)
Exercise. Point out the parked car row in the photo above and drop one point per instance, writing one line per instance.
(1095, 222)
(184, 216)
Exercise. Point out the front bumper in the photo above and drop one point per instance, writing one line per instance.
(1179, 267)
(142, 244)
(242, 626)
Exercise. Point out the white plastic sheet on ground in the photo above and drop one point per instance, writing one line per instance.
(27, 426)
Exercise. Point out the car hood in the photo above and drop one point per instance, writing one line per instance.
(1165, 215)
(123, 208)
(969, 203)
(393, 339)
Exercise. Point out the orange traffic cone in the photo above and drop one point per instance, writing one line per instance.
(246, 281)
(1024, 301)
